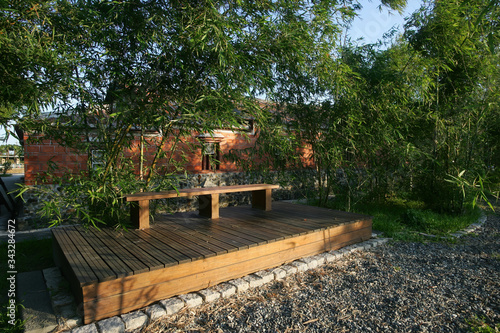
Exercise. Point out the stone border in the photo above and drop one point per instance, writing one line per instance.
(66, 312)
(136, 320)
(473, 227)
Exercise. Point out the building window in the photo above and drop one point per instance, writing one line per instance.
(97, 159)
(210, 156)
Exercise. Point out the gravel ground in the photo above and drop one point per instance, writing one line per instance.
(398, 287)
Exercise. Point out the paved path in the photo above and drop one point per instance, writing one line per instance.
(10, 183)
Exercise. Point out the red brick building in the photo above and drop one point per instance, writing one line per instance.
(208, 149)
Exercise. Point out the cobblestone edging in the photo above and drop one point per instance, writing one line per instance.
(473, 227)
(136, 320)
(65, 308)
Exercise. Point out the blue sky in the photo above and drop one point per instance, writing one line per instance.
(372, 23)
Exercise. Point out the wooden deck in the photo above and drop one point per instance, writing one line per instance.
(114, 272)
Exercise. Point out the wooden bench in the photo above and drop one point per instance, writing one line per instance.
(208, 199)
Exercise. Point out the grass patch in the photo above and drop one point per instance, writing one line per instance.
(9, 325)
(408, 220)
(481, 325)
(31, 255)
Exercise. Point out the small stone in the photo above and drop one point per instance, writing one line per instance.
(191, 300)
(53, 279)
(310, 262)
(337, 254)
(209, 295)
(289, 269)
(265, 275)
(172, 305)
(348, 249)
(52, 272)
(68, 317)
(343, 252)
(300, 265)
(240, 284)
(328, 257)
(72, 322)
(366, 245)
(357, 247)
(320, 259)
(90, 328)
(61, 299)
(279, 273)
(134, 320)
(155, 312)
(111, 325)
(254, 280)
(226, 289)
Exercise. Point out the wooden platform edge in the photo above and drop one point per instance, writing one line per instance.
(109, 298)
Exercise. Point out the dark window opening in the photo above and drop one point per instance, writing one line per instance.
(211, 157)
(98, 160)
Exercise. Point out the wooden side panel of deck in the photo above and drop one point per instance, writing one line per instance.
(118, 272)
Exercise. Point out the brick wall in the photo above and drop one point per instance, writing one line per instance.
(40, 154)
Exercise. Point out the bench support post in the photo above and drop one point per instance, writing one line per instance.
(139, 214)
(262, 199)
(209, 205)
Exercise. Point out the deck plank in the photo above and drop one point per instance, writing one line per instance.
(140, 251)
(161, 258)
(267, 226)
(193, 238)
(81, 268)
(163, 252)
(208, 229)
(184, 242)
(99, 266)
(115, 262)
(132, 262)
(210, 238)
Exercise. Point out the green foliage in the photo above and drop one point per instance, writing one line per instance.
(173, 69)
(481, 188)
(407, 220)
(7, 324)
(414, 219)
(449, 38)
(6, 166)
(373, 123)
(35, 63)
(7, 149)
(482, 325)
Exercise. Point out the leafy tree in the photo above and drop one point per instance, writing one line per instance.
(175, 68)
(34, 58)
(320, 116)
(412, 116)
(458, 44)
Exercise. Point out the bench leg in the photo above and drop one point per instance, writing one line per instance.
(139, 214)
(261, 199)
(209, 205)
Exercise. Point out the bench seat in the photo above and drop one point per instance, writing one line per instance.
(208, 200)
